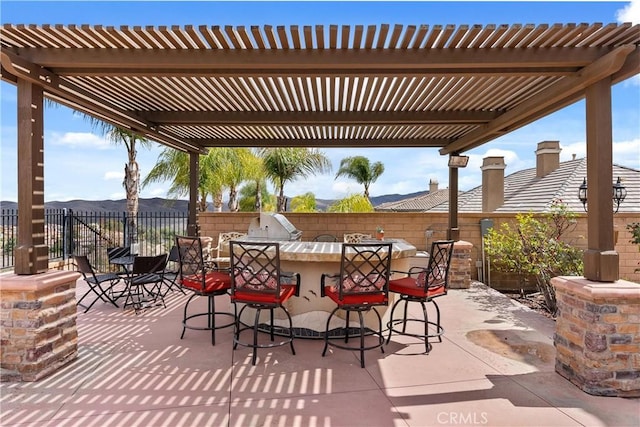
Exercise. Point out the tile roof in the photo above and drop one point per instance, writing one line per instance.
(524, 192)
(421, 203)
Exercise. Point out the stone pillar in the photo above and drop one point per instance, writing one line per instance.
(597, 335)
(460, 269)
(38, 324)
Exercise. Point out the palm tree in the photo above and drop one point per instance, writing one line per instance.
(286, 164)
(304, 203)
(359, 168)
(131, 181)
(353, 203)
(233, 166)
(256, 174)
(254, 197)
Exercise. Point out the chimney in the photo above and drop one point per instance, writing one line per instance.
(547, 158)
(492, 183)
(433, 186)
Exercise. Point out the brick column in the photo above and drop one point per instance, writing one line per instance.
(597, 335)
(38, 324)
(460, 270)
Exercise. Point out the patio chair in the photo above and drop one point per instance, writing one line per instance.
(143, 284)
(355, 237)
(172, 271)
(196, 277)
(325, 238)
(95, 280)
(360, 287)
(423, 285)
(258, 283)
(222, 258)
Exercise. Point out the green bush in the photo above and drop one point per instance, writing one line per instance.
(534, 247)
(634, 228)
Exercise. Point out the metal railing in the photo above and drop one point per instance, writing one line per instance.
(69, 233)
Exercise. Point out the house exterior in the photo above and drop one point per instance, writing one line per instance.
(528, 190)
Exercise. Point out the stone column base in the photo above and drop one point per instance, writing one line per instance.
(38, 324)
(597, 335)
(460, 270)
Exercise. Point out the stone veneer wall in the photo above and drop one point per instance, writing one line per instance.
(38, 324)
(460, 269)
(598, 335)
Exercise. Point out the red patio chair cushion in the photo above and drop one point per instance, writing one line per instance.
(286, 292)
(213, 281)
(411, 286)
(357, 298)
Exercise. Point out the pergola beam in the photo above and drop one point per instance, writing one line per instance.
(110, 61)
(324, 143)
(230, 118)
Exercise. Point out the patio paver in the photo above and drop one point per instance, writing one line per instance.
(494, 367)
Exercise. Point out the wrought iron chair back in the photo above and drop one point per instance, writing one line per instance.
(195, 275)
(364, 268)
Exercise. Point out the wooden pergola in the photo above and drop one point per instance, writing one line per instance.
(190, 88)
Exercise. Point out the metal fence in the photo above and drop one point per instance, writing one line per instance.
(69, 233)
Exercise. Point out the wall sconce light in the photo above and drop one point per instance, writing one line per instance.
(619, 194)
(456, 161)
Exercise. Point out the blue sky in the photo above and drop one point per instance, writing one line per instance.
(80, 164)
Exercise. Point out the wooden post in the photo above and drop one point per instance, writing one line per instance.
(453, 233)
(600, 259)
(194, 173)
(31, 254)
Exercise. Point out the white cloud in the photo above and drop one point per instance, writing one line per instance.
(80, 140)
(629, 13)
(110, 175)
(625, 153)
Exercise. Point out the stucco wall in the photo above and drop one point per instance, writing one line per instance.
(412, 227)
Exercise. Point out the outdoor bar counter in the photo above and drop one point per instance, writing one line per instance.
(310, 310)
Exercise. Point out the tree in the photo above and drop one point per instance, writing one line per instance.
(174, 165)
(264, 202)
(304, 203)
(131, 181)
(353, 203)
(286, 164)
(361, 170)
(220, 168)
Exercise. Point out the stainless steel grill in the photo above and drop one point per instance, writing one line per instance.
(273, 226)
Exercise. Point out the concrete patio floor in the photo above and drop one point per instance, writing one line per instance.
(494, 367)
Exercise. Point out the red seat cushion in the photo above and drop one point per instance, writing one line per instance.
(357, 298)
(410, 286)
(214, 281)
(286, 292)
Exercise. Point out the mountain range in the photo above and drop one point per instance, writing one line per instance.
(168, 205)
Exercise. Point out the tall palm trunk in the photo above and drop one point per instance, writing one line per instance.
(233, 199)
(258, 204)
(217, 202)
(131, 185)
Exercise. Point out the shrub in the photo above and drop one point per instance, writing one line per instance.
(634, 228)
(533, 247)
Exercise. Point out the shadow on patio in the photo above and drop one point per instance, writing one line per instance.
(495, 366)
